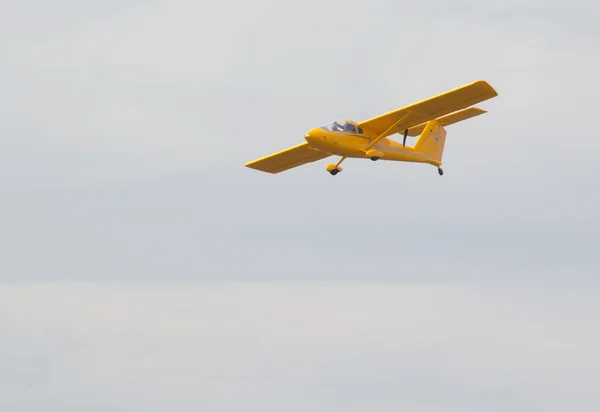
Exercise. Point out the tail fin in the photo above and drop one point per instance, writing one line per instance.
(431, 142)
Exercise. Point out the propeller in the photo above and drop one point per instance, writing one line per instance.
(405, 134)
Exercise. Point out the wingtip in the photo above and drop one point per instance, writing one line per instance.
(486, 85)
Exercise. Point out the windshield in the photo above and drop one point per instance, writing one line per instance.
(341, 126)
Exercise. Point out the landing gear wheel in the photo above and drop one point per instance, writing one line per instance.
(374, 158)
(334, 169)
(440, 171)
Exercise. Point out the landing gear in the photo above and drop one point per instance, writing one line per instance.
(440, 171)
(374, 158)
(335, 169)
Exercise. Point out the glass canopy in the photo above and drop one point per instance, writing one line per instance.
(342, 126)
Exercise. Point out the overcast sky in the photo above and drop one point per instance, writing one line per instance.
(143, 267)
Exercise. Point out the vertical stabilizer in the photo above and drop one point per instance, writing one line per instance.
(431, 141)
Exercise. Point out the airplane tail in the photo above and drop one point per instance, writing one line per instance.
(431, 141)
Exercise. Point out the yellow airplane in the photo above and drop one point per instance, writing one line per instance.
(369, 139)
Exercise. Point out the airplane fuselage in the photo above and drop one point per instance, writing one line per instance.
(353, 145)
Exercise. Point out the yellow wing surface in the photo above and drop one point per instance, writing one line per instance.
(286, 159)
(448, 120)
(415, 114)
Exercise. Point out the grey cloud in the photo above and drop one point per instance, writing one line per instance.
(336, 345)
(123, 133)
(180, 229)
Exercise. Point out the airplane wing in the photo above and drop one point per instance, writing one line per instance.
(287, 159)
(443, 104)
(448, 120)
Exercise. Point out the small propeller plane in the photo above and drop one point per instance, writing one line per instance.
(369, 139)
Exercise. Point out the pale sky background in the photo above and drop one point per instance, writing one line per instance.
(143, 267)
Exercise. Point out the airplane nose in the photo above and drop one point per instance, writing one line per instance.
(313, 138)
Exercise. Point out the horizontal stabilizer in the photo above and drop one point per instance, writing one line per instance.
(449, 119)
(287, 159)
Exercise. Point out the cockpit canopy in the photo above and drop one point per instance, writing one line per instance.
(343, 126)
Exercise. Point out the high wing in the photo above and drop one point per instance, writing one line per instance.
(415, 114)
(448, 120)
(287, 159)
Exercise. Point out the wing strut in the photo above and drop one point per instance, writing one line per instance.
(382, 135)
(405, 134)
